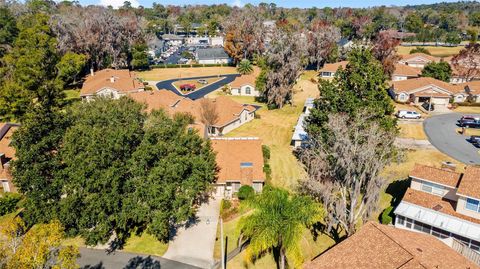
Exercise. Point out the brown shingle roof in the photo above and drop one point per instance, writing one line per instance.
(6, 132)
(436, 175)
(381, 246)
(436, 203)
(246, 79)
(232, 152)
(405, 70)
(470, 183)
(333, 67)
(409, 85)
(411, 57)
(124, 82)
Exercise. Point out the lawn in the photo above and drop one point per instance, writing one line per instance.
(467, 109)
(412, 130)
(72, 94)
(435, 51)
(159, 74)
(195, 82)
(275, 128)
(469, 131)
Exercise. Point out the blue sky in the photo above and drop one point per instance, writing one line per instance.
(284, 3)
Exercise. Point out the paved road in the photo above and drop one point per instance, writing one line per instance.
(194, 245)
(99, 259)
(441, 133)
(167, 84)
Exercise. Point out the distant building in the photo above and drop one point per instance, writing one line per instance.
(240, 162)
(110, 83)
(344, 43)
(7, 153)
(300, 136)
(381, 246)
(212, 56)
(175, 40)
(215, 41)
(418, 60)
(443, 203)
(328, 70)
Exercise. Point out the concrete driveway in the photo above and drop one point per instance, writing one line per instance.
(168, 85)
(193, 244)
(441, 132)
(99, 259)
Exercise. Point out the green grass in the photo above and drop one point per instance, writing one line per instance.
(145, 244)
(72, 94)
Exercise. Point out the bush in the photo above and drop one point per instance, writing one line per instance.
(466, 104)
(266, 153)
(8, 203)
(246, 192)
(226, 204)
(386, 217)
(419, 50)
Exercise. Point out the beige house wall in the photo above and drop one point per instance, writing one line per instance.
(461, 203)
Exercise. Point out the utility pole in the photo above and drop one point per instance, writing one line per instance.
(221, 243)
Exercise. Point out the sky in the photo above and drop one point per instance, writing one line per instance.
(283, 3)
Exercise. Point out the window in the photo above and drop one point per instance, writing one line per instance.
(400, 220)
(246, 164)
(440, 233)
(248, 90)
(433, 188)
(472, 205)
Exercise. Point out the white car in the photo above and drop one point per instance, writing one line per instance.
(406, 114)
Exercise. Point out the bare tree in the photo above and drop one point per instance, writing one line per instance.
(344, 171)
(384, 49)
(467, 62)
(322, 39)
(286, 59)
(209, 113)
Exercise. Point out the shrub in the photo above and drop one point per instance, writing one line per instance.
(226, 204)
(246, 192)
(386, 217)
(266, 153)
(268, 171)
(8, 203)
(419, 50)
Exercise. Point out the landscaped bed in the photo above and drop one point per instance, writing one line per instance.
(194, 82)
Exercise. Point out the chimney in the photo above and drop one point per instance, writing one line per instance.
(3, 160)
(112, 79)
(91, 72)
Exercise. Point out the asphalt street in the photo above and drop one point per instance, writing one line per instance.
(99, 259)
(441, 132)
(167, 85)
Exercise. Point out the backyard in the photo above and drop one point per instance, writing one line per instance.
(159, 74)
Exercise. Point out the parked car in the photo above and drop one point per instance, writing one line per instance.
(406, 114)
(469, 123)
(475, 140)
(202, 81)
(187, 87)
(428, 106)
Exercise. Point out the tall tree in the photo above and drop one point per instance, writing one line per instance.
(209, 113)
(8, 30)
(139, 57)
(344, 169)
(70, 66)
(467, 62)
(322, 39)
(413, 22)
(384, 50)
(277, 224)
(361, 85)
(245, 67)
(440, 70)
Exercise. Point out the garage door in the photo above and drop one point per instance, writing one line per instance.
(440, 101)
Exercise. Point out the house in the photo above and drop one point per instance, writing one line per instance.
(344, 43)
(418, 60)
(424, 90)
(110, 83)
(443, 203)
(398, 34)
(212, 56)
(7, 153)
(380, 246)
(244, 85)
(300, 137)
(403, 72)
(230, 114)
(328, 70)
(240, 162)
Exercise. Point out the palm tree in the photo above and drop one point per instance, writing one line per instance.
(245, 67)
(277, 224)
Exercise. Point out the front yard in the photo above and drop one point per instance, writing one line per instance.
(159, 74)
(412, 130)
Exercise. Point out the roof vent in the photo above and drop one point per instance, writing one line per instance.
(112, 79)
(419, 250)
(437, 207)
(449, 166)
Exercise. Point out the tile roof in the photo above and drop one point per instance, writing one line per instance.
(246, 79)
(436, 203)
(123, 81)
(381, 246)
(473, 86)
(227, 109)
(413, 84)
(6, 132)
(405, 70)
(333, 67)
(436, 175)
(232, 152)
(410, 57)
(470, 183)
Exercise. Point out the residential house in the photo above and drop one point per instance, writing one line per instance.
(230, 114)
(110, 83)
(425, 89)
(244, 85)
(380, 246)
(240, 162)
(418, 60)
(7, 153)
(212, 56)
(403, 72)
(443, 203)
(328, 70)
(345, 44)
(300, 137)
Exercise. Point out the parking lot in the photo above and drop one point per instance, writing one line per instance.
(441, 131)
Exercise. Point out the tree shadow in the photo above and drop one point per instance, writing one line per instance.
(335, 232)
(397, 190)
(142, 263)
(97, 266)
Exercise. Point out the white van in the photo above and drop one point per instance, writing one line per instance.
(406, 114)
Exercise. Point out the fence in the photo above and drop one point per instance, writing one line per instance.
(466, 251)
(232, 254)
